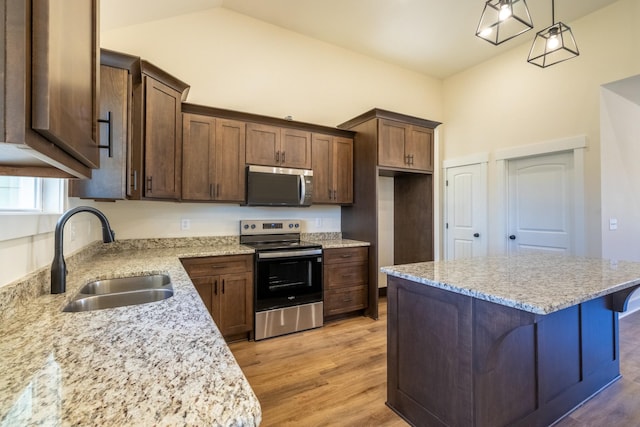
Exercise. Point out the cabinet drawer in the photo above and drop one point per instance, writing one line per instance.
(209, 266)
(345, 300)
(335, 256)
(350, 274)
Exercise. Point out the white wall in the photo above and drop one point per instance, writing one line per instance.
(507, 102)
(239, 63)
(620, 178)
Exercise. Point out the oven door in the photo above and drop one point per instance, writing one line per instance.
(286, 278)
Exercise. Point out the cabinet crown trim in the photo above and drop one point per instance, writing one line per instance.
(256, 118)
(378, 113)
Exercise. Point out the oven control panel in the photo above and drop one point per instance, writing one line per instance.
(251, 227)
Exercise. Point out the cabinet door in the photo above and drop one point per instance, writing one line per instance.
(110, 180)
(322, 179)
(263, 145)
(420, 148)
(393, 137)
(64, 75)
(162, 140)
(198, 133)
(229, 168)
(205, 288)
(295, 149)
(342, 163)
(234, 314)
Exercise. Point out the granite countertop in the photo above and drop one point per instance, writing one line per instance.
(163, 363)
(340, 243)
(537, 283)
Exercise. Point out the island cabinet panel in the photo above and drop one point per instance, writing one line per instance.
(346, 280)
(225, 284)
(213, 167)
(454, 360)
(429, 355)
(276, 146)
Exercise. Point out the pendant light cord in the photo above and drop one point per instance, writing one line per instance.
(553, 12)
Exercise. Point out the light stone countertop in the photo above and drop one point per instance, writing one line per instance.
(340, 243)
(537, 283)
(163, 363)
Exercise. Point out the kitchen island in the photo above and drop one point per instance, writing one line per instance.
(519, 340)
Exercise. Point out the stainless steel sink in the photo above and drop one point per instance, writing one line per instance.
(125, 284)
(118, 299)
(120, 292)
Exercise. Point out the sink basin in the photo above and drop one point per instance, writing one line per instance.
(118, 299)
(126, 284)
(120, 292)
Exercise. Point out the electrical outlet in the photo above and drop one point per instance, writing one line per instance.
(185, 224)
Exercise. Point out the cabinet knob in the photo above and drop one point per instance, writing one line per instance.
(512, 237)
(476, 234)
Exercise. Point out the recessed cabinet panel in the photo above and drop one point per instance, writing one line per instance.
(162, 141)
(332, 169)
(198, 156)
(263, 145)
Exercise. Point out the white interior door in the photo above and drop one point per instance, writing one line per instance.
(541, 203)
(466, 211)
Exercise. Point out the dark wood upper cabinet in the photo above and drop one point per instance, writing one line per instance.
(213, 153)
(275, 146)
(49, 78)
(116, 179)
(162, 132)
(404, 145)
(332, 169)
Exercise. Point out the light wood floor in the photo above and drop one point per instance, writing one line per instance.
(336, 376)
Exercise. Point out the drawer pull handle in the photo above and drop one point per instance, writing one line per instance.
(346, 256)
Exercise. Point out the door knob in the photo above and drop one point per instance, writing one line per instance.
(512, 237)
(476, 234)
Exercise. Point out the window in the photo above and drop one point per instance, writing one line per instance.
(29, 206)
(30, 195)
(20, 193)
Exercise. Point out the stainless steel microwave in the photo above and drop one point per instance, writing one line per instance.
(274, 186)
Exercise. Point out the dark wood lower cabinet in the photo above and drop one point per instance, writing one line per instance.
(454, 360)
(225, 284)
(346, 284)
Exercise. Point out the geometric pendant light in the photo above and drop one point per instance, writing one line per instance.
(553, 44)
(503, 20)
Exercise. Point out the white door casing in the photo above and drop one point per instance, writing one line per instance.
(466, 210)
(540, 204)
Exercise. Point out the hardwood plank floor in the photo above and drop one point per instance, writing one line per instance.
(336, 376)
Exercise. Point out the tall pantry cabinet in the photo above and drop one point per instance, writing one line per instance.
(398, 146)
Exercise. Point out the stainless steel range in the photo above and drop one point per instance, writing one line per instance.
(287, 277)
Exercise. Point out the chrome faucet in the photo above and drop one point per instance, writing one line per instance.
(58, 267)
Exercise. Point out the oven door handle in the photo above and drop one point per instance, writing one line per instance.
(289, 254)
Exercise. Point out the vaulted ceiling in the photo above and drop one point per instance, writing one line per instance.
(433, 37)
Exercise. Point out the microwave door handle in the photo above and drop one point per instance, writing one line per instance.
(303, 189)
